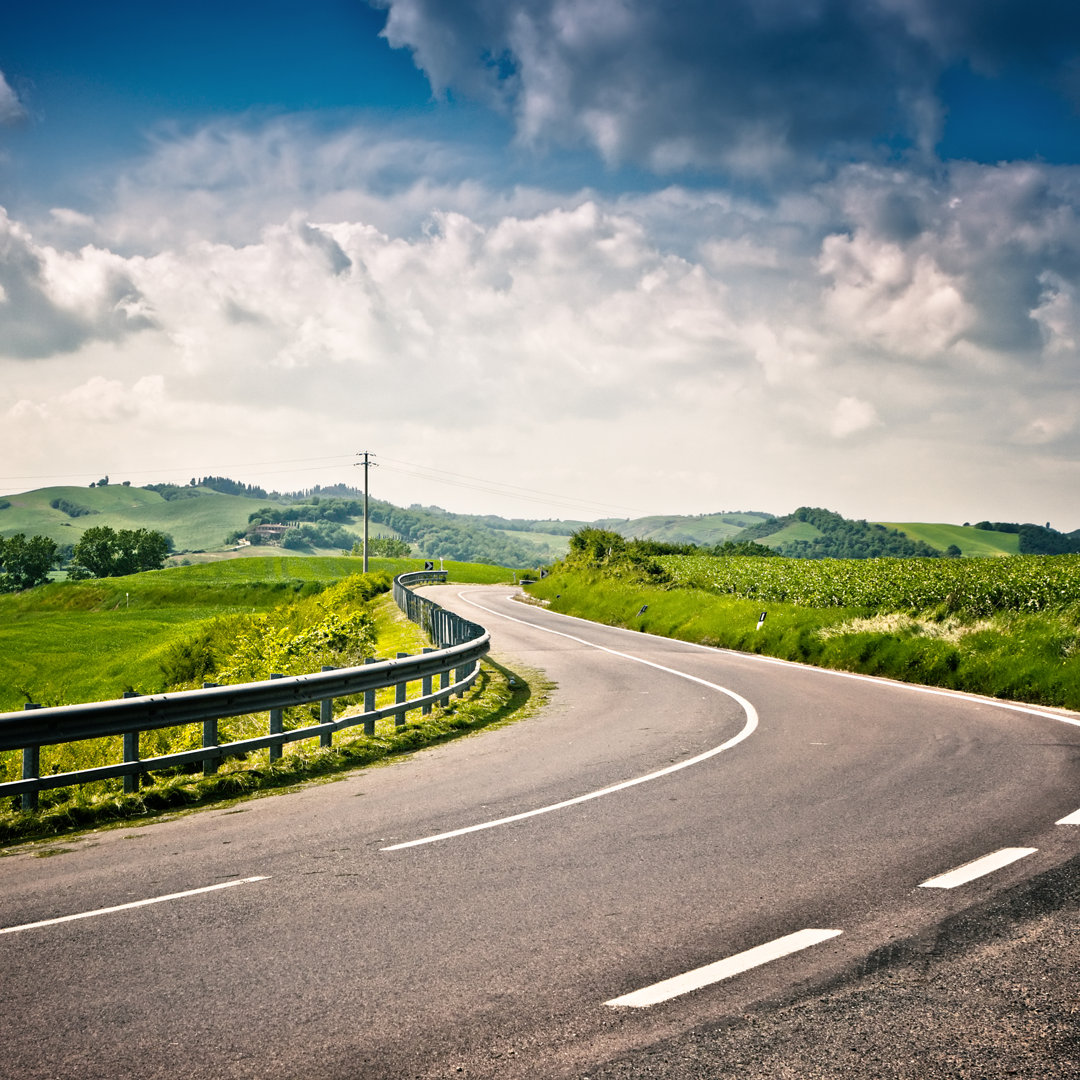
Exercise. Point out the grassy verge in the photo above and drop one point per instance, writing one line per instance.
(87, 641)
(70, 642)
(1020, 657)
(499, 697)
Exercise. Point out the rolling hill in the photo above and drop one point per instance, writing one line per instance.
(204, 520)
(967, 538)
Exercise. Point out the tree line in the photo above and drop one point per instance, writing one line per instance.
(840, 538)
(430, 531)
(100, 552)
(1036, 539)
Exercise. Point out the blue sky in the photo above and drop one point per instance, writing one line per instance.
(566, 257)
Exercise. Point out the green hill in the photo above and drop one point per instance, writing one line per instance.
(199, 521)
(202, 516)
(969, 540)
(791, 533)
(701, 529)
(814, 533)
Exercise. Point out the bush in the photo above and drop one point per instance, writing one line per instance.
(73, 510)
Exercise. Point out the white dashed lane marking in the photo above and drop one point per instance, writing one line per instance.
(722, 969)
(128, 907)
(978, 868)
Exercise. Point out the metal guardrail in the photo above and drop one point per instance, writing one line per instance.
(459, 644)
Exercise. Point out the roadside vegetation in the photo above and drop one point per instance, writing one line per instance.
(68, 642)
(1007, 627)
(219, 622)
(498, 697)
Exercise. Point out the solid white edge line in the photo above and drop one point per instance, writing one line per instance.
(916, 688)
(978, 868)
(722, 969)
(1071, 819)
(747, 730)
(128, 907)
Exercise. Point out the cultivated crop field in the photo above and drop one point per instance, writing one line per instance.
(971, 588)
(1007, 627)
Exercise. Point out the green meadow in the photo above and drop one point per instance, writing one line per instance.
(971, 541)
(69, 642)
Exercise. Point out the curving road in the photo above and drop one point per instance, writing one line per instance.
(682, 832)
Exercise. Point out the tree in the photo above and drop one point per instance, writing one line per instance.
(25, 563)
(140, 549)
(95, 553)
(103, 552)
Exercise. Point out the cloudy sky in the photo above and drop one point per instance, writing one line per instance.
(576, 258)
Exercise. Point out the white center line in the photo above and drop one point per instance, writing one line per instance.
(747, 729)
(1072, 819)
(128, 907)
(722, 969)
(978, 868)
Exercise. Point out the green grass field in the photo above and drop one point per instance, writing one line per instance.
(200, 522)
(797, 530)
(69, 642)
(705, 529)
(554, 546)
(970, 541)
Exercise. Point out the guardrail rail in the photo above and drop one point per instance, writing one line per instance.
(458, 645)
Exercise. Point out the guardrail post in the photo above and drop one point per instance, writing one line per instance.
(326, 716)
(31, 767)
(369, 705)
(401, 692)
(462, 673)
(131, 753)
(425, 689)
(277, 724)
(210, 738)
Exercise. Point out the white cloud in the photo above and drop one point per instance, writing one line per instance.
(851, 416)
(677, 349)
(894, 297)
(55, 301)
(11, 109)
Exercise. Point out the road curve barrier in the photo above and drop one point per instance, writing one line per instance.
(454, 659)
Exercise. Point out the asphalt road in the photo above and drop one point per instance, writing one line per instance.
(772, 803)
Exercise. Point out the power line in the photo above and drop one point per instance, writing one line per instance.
(431, 474)
(497, 487)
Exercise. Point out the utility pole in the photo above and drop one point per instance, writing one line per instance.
(366, 463)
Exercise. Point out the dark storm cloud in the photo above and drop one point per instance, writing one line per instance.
(754, 86)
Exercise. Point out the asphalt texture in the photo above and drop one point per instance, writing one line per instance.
(991, 994)
(769, 798)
